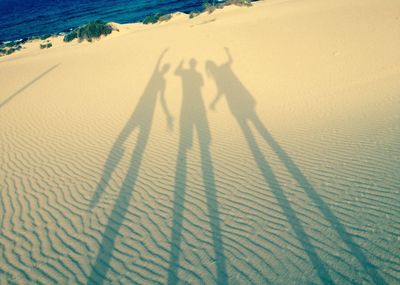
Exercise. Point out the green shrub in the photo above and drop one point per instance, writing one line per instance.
(10, 47)
(165, 17)
(152, 19)
(10, 51)
(211, 7)
(193, 14)
(94, 30)
(70, 36)
(157, 17)
(90, 31)
(46, 45)
(239, 2)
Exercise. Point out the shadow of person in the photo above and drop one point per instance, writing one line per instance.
(141, 119)
(242, 106)
(193, 117)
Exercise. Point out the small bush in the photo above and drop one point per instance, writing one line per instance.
(157, 17)
(193, 14)
(9, 51)
(152, 19)
(94, 30)
(70, 36)
(90, 31)
(165, 17)
(9, 48)
(46, 45)
(209, 7)
(246, 3)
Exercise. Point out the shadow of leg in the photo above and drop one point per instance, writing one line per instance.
(322, 206)
(287, 209)
(212, 204)
(102, 263)
(193, 116)
(114, 157)
(109, 167)
(179, 197)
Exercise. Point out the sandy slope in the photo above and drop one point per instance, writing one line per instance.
(114, 168)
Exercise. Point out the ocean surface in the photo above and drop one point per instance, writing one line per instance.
(26, 18)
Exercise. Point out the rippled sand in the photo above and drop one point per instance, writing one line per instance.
(250, 146)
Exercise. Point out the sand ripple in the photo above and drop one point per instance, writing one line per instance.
(270, 188)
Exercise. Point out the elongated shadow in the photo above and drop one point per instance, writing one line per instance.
(242, 106)
(141, 120)
(193, 117)
(322, 206)
(5, 102)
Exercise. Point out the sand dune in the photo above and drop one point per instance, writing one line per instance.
(248, 146)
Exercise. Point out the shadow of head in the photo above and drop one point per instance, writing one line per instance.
(165, 68)
(192, 63)
(211, 67)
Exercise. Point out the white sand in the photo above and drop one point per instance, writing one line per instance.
(302, 188)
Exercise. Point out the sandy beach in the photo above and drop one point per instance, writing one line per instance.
(255, 145)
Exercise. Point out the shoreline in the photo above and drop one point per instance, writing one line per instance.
(8, 48)
(219, 4)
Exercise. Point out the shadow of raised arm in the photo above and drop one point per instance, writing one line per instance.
(157, 67)
(228, 53)
(179, 69)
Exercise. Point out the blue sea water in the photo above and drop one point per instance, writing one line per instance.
(26, 18)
